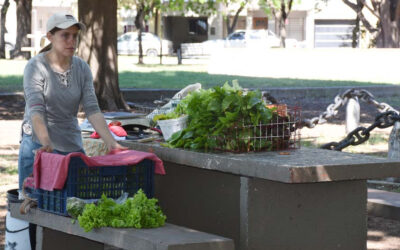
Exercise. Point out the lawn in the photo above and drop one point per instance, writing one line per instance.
(169, 75)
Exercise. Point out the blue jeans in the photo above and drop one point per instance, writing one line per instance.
(26, 157)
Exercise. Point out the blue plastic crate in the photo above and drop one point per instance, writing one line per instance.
(91, 182)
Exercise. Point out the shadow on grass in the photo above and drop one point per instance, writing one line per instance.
(386, 227)
(180, 79)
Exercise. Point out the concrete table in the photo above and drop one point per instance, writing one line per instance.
(308, 199)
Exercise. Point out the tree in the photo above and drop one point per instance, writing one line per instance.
(280, 9)
(98, 46)
(3, 14)
(385, 33)
(144, 10)
(227, 3)
(24, 20)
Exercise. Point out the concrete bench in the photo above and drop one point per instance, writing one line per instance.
(384, 204)
(58, 232)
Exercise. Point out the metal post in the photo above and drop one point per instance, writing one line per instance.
(179, 55)
(394, 142)
(352, 114)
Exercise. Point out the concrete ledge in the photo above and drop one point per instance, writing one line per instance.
(147, 95)
(384, 204)
(169, 237)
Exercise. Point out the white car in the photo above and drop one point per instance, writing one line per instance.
(264, 38)
(248, 39)
(128, 44)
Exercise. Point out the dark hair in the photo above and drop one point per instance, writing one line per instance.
(53, 31)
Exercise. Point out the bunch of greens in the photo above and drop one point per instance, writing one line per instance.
(170, 115)
(75, 206)
(215, 116)
(137, 212)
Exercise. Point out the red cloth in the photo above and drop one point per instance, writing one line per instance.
(50, 170)
(115, 127)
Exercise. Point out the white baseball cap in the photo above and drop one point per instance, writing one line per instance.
(63, 20)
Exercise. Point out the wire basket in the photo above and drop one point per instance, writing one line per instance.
(280, 133)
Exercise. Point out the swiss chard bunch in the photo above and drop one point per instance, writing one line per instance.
(136, 212)
(218, 118)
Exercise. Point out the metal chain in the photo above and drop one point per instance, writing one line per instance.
(341, 100)
(361, 134)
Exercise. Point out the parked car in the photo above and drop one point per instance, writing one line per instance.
(248, 39)
(128, 44)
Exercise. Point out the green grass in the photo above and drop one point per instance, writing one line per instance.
(11, 170)
(169, 76)
(10, 83)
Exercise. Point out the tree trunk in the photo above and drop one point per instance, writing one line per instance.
(231, 27)
(282, 32)
(3, 15)
(355, 33)
(24, 20)
(98, 47)
(139, 26)
(386, 34)
(156, 16)
(228, 26)
(389, 33)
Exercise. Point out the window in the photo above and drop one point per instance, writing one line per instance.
(198, 26)
(212, 31)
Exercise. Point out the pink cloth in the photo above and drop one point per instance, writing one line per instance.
(50, 170)
(115, 127)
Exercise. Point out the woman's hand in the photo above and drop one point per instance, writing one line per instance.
(99, 124)
(115, 146)
(46, 148)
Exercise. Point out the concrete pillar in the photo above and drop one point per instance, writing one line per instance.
(39, 237)
(309, 29)
(352, 114)
(394, 142)
(249, 22)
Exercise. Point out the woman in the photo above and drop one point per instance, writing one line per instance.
(55, 83)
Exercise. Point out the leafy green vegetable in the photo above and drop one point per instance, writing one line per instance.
(75, 207)
(170, 115)
(137, 212)
(218, 118)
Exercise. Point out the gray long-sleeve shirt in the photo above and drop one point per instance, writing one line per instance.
(58, 103)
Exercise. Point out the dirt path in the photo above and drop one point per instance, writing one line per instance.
(383, 234)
